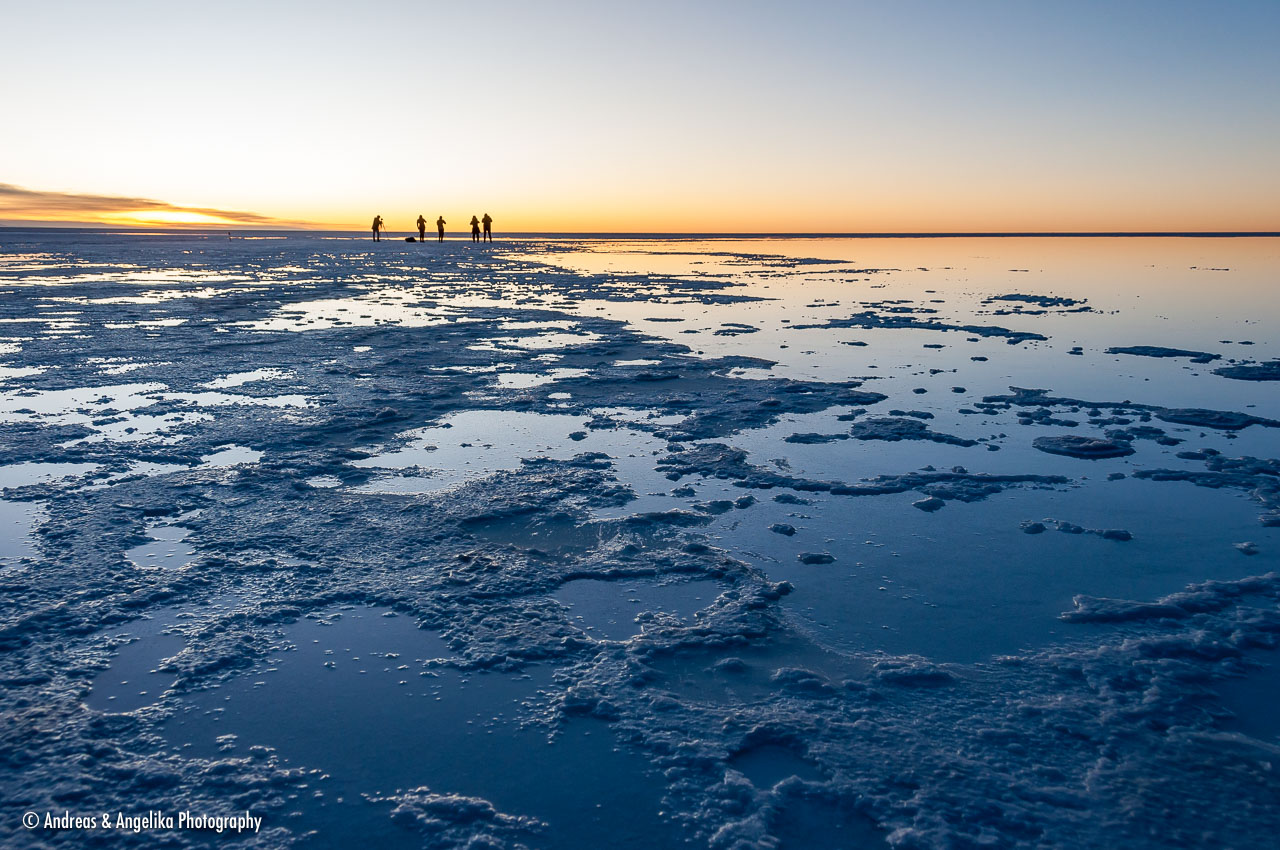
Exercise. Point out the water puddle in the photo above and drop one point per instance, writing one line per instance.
(806, 823)
(324, 481)
(364, 698)
(1252, 700)
(231, 456)
(216, 399)
(18, 521)
(238, 379)
(754, 672)
(537, 342)
(9, 373)
(166, 549)
(769, 764)
(23, 474)
(907, 581)
(556, 532)
(608, 610)
(137, 469)
(392, 307)
(474, 444)
(76, 406)
(110, 412)
(526, 380)
(133, 680)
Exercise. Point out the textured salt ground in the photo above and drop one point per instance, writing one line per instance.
(1053, 739)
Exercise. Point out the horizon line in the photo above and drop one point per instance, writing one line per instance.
(938, 234)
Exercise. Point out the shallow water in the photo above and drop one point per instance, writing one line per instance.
(395, 718)
(166, 548)
(17, 521)
(474, 444)
(609, 609)
(967, 583)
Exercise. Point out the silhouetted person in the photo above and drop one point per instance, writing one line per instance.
(440, 223)
(488, 227)
(422, 228)
(475, 229)
(377, 227)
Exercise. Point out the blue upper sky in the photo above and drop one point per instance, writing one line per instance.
(654, 116)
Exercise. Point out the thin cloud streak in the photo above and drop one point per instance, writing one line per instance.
(17, 201)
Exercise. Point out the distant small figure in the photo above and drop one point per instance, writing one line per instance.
(488, 227)
(475, 229)
(422, 228)
(377, 228)
(440, 223)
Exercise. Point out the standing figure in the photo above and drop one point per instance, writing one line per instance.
(488, 227)
(440, 223)
(422, 228)
(377, 228)
(475, 229)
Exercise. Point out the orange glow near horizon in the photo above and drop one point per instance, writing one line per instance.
(735, 215)
(165, 218)
(570, 202)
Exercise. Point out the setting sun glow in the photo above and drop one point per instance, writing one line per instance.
(165, 217)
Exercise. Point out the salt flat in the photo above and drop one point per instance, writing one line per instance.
(643, 543)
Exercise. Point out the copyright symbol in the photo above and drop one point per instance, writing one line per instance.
(31, 820)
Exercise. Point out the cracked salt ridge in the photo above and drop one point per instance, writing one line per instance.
(1251, 371)
(436, 744)
(872, 319)
(773, 447)
(1259, 477)
(1045, 301)
(887, 428)
(717, 460)
(1197, 417)
(898, 568)
(1160, 351)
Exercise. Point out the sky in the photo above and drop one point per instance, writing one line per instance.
(698, 116)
